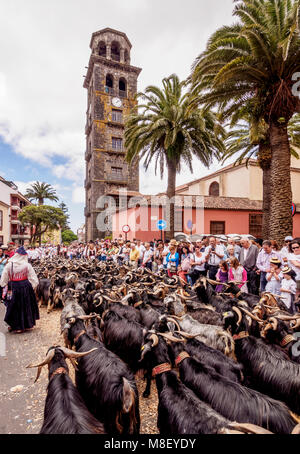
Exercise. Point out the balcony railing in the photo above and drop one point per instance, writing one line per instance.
(109, 90)
(15, 206)
(122, 94)
(117, 176)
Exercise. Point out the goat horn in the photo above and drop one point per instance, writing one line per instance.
(237, 311)
(170, 337)
(295, 324)
(187, 335)
(251, 315)
(170, 319)
(86, 317)
(47, 360)
(287, 318)
(72, 354)
(154, 339)
(249, 428)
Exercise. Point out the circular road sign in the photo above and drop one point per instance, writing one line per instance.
(126, 228)
(190, 224)
(161, 225)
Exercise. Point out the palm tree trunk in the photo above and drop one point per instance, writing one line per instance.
(171, 194)
(281, 221)
(264, 159)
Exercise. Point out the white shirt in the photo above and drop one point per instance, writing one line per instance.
(141, 249)
(288, 285)
(294, 257)
(147, 255)
(166, 250)
(213, 258)
(200, 262)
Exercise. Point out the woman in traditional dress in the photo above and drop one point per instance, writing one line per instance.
(22, 308)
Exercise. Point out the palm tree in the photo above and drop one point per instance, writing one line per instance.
(251, 140)
(254, 62)
(40, 192)
(171, 131)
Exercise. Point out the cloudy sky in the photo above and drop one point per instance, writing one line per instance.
(44, 48)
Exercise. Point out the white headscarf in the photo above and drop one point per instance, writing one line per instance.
(18, 259)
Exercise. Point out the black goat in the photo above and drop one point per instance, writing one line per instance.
(277, 332)
(65, 412)
(232, 400)
(125, 339)
(179, 410)
(104, 381)
(269, 369)
(223, 365)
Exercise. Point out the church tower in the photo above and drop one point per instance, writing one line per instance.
(111, 82)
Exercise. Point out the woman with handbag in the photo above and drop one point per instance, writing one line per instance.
(172, 261)
(22, 308)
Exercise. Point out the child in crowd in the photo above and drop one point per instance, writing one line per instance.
(222, 275)
(288, 289)
(274, 277)
(238, 273)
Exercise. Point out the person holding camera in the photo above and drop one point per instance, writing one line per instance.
(214, 254)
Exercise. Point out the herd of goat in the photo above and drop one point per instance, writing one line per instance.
(222, 363)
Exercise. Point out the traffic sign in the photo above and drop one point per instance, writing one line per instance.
(126, 228)
(161, 225)
(293, 209)
(190, 225)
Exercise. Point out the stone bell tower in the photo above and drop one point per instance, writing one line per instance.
(111, 82)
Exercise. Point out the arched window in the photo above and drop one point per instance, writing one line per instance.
(109, 84)
(126, 56)
(122, 87)
(115, 51)
(214, 189)
(102, 49)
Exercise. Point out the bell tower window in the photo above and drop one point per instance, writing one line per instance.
(122, 88)
(109, 84)
(115, 51)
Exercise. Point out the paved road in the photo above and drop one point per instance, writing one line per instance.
(22, 412)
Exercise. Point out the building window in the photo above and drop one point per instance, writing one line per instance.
(117, 143)
(255, 225)
(1, 219)
(122, 88)
(217, 227)
(115, 51)
(117, 173)
(117, 116)
(1, 240)
(214, 189)
(102, 49)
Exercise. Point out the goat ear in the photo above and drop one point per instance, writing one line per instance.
(128, 396)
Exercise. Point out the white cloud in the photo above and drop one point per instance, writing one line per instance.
(43, 59)
(78, 195)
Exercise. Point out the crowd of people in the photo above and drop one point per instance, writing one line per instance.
(255, 266)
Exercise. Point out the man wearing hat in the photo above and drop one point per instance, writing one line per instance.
(22, 309)
(263, 262)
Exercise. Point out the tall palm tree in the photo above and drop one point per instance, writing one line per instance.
(254, 61)
(40, 192)
(251, 140)
(171, 131)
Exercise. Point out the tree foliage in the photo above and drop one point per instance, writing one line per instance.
(40, 192)
(67, 236)
(42, 218)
